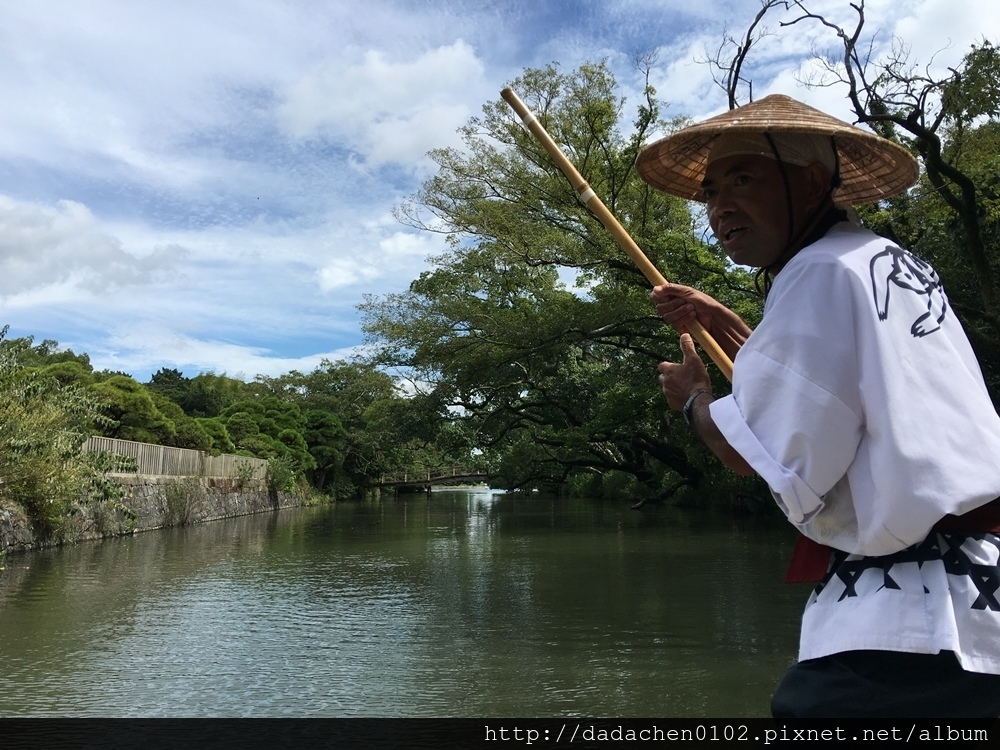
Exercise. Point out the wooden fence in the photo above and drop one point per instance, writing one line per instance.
(162, 460)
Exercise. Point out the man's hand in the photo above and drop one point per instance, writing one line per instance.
(679, 305)
(679, 381)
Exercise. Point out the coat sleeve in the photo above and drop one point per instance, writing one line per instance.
(800, 438)
(795, 414)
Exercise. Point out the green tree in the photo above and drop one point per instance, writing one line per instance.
(134, 412)
(349, 457)
(43, 423)
(553, 384)
(29, 354)
(188, 433)
(170, 383)
(326, 441)
(70, 372)
(217, 433)
(205, 395)
(241, 427)
(209, 394)
(270, 427)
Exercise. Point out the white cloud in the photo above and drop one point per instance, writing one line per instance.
(410, 245)
(345, 272)
(143, 349)
(398, 254)
(684, 82)
(65, 246)
(944, 29)
(387, 111)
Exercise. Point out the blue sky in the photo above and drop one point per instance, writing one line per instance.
(209, 186)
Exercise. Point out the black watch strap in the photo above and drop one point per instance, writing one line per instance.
(689, 404)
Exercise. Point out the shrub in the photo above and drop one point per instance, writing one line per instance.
(43, 423)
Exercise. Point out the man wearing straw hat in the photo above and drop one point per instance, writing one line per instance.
(859, 401)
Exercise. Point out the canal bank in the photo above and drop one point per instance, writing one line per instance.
(148, 502)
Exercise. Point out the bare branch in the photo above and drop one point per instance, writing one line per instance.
(728, 73)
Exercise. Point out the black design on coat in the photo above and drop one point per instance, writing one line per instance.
(943, 546)
(896, 268)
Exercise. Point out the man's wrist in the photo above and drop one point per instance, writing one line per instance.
(688, 409)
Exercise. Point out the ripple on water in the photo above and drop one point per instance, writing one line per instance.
(400, 609)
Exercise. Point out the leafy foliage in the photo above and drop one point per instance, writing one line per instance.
(43, 423)
(550, 382)
(333, 427)
(205, 395)
(348, 441)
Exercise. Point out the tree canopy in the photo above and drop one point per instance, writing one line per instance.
(335, 430)
(43, 423)
(535, 333)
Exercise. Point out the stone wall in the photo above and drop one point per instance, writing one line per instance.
(150, 503)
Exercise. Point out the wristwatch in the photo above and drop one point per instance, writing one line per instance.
(689, 404)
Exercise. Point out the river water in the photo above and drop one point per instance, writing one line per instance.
(461, 604)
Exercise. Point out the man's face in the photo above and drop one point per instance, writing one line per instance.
(748, 208)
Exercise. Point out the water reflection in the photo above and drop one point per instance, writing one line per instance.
(463, 604)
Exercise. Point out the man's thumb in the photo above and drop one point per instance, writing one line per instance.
(687, 346)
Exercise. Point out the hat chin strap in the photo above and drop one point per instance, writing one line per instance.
(796, 241)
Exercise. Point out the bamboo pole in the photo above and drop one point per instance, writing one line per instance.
(604, 215)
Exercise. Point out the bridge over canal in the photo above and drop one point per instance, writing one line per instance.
(427, 478)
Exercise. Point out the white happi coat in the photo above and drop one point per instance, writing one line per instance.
(860, 402)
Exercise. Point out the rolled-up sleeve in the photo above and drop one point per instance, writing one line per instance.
(800, 438)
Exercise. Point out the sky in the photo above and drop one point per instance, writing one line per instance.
(208, 186)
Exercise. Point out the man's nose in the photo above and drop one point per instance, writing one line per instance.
(721, 204)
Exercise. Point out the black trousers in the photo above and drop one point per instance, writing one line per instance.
(885, 684)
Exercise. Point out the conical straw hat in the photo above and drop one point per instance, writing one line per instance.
(871, 167)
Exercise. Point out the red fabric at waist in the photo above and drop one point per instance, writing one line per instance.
(810, 560)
